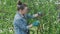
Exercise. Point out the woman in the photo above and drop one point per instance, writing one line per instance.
(20, 22)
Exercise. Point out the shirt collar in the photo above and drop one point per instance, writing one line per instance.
(20, 14)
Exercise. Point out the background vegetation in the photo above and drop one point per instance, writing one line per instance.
(48, 23)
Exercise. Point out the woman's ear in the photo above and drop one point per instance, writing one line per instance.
(19, 2)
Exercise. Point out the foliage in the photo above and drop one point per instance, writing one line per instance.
(48, 23)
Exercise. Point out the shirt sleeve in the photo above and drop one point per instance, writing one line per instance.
(29, 16)
(19, 23)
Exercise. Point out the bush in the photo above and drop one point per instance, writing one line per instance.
(48, 23)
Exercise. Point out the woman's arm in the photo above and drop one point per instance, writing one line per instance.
(19, 23)
(32, 16)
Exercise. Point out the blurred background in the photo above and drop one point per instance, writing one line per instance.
(49, 23)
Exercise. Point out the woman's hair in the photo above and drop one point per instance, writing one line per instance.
(20, 5)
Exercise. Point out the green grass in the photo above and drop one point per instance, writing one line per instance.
(48, 23)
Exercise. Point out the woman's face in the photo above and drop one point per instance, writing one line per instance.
(25, 10)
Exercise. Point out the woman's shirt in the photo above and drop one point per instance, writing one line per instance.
(20, 24)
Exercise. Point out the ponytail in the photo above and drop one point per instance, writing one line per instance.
(19, 2)
(20, 5)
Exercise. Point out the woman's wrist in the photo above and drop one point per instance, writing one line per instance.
(30, 26)
(35, 15)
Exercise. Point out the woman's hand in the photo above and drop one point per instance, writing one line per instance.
(35, 15)
(30, 26)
